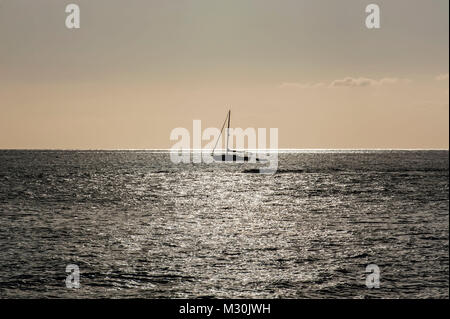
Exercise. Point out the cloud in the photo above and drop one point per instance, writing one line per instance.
(352, 82)
(346, 82)
(364, 82)
(442, 77)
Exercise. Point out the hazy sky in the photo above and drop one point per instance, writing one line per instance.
(135, 70)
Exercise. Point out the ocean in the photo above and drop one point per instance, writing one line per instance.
(139, 226)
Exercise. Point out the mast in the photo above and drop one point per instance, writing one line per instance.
(228, 128)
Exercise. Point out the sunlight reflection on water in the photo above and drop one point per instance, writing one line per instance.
(139, 226)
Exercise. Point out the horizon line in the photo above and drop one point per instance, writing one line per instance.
(209, 149)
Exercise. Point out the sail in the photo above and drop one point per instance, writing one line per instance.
(227, 119)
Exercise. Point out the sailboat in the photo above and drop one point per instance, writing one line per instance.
(230, 155)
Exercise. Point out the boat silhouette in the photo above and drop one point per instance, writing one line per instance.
(232, 155)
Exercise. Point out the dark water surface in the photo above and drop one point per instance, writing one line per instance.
(138, 225)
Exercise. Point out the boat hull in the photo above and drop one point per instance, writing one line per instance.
(231, 158)
(236, 158)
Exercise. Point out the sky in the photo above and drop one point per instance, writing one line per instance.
(137, 69)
